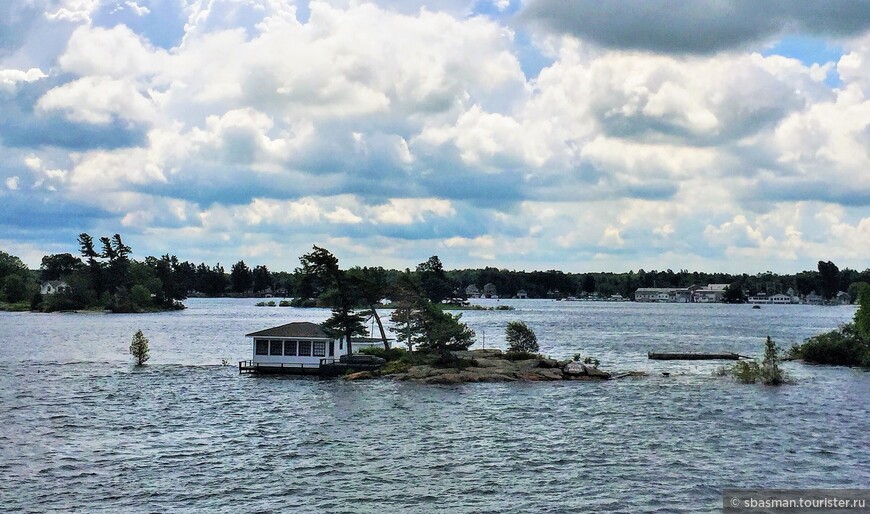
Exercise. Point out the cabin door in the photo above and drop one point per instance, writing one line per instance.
(332, 348)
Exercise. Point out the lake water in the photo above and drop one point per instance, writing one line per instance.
(82, 430)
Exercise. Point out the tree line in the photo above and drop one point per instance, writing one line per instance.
(104, 275)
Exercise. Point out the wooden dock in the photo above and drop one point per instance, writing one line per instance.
(328, 367)
(695, 356)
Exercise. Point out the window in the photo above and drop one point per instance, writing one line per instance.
(304, 348)
(332, 348)
(262, 346)
(319, 349)
(275, 347)
(289, 347)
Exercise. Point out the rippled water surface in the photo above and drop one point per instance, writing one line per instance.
(82, 430)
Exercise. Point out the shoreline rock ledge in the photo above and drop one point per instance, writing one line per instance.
(494, 366)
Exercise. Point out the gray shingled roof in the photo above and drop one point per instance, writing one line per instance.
(302, 329)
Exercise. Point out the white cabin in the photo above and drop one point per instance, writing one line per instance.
(299, 345)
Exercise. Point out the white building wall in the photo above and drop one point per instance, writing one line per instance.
(296, 360)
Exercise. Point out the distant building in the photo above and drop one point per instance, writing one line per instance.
(489, 291)
(522, 294)
(843, 298)
(711, 293)
(781, 299)
(814, 299)
(51, 287)
(472, 291)
(759, 298)
(655, 294)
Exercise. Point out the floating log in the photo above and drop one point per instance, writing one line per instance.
(694, 356)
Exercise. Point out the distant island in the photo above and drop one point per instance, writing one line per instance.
(105, 277)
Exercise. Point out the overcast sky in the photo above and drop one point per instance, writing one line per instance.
(710, 135)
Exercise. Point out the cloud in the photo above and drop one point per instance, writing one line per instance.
(698, 27)
(391, 132)
(9, 79)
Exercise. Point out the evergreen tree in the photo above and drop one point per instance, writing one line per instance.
(139, 348)
(441, 332)
(241, 278)
(434, 282)
(262, 279)
(406, 319)
(521, 338)
(340, 291)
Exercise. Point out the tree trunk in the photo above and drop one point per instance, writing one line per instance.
(381, 328)
(349, 347)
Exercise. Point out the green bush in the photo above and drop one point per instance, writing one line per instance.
(393, 354)
(841, 347)
(520, 356)
(391, 368)
(520, 338)
(141, 297)
(284, 303)
(750, 372)
(747, 372)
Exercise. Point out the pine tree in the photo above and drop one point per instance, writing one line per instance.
(521, 338)
(139, 348)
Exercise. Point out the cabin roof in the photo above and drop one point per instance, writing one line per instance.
(295, 329)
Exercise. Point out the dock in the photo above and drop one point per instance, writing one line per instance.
(328, 367)
(695, 356)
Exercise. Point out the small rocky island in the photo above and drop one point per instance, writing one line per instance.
(489, 365)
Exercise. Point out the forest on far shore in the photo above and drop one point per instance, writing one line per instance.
(104, 276)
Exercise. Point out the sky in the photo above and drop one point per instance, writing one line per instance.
(713, 135)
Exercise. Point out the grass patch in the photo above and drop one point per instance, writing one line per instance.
(520, 356)
(15, 307)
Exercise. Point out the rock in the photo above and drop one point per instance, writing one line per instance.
(360, 375)
(549, 363)
(544, 375)
(486, 353)
(526, 364)
(574, 369)
(596, 373)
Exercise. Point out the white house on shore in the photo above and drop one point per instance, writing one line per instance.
(299, 346)
(50, 287)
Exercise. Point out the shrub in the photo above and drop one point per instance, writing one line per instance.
(771, 374)
(592, 361)
(750, 372)
(393, 354)
(520, 356)
(141, 296)
(36, 301)
(841, 347)
(747, 372)
(139, 348)
(521, 338)
(284, 303)
(862, 315)
(391, 368)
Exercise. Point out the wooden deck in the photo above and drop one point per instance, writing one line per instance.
(694, 356)
(328, 367)
(281, 368)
